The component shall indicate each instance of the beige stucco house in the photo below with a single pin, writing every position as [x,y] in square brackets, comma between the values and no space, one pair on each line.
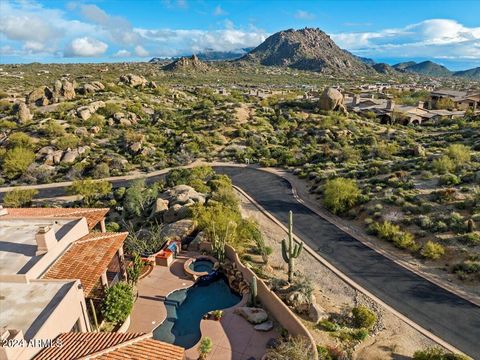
[51,261]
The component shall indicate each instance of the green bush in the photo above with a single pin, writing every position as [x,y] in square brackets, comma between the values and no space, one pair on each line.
[363,317]
[16,161]
[437,354]
[19,198]
[443,165]
[328,325]
[118,303]
[393,233]
[340,195]
[459,153]
[432,250]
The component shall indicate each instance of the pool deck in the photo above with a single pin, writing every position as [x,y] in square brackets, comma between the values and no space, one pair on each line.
[233,337]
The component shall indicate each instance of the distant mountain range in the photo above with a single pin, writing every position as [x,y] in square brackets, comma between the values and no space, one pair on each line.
[313,50]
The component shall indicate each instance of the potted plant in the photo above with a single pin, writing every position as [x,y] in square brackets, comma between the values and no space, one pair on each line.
[204,348]
[217,314]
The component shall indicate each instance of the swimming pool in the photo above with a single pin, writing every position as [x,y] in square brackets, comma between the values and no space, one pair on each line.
[186,307]
[201,266]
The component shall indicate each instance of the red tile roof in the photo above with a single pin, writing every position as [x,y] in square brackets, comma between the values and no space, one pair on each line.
[86,259]
[111,346]
[93,215]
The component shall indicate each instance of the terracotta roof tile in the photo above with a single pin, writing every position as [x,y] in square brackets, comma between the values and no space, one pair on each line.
[76,345]
[111,346]
[93,215]
[86,259]
[146,349]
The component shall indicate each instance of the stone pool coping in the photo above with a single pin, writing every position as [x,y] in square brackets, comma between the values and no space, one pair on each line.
[196,274]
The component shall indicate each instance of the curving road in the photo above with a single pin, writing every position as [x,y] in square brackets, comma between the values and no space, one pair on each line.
[446,315]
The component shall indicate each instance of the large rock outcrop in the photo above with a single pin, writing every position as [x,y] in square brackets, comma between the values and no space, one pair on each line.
[133,80]
[41,96]
[22,113]
[332,100]
[63,90]
[85,112]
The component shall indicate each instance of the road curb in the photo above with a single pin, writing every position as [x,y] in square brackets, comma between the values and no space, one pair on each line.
[350,282]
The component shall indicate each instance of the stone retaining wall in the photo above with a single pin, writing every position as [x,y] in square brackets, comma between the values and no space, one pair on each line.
[272,303]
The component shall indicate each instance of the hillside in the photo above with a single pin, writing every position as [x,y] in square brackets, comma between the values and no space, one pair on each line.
[473,74]
[305,49]
[212,55]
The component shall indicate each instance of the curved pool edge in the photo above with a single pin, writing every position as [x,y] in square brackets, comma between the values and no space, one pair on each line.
[243,302]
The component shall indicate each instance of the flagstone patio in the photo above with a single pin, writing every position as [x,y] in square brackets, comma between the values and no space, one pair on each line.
[233,337]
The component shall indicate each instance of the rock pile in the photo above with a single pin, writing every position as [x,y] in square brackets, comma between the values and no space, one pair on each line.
[174,204]
[86,111]
[133,80]
[235,278]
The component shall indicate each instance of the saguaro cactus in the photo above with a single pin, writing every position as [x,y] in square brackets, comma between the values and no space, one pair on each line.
[293,250]
[470,226]
[253,292]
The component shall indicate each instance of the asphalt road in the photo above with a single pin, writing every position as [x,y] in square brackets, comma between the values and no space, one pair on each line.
[446,315]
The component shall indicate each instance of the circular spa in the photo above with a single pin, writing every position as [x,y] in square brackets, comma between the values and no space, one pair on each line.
[199,266]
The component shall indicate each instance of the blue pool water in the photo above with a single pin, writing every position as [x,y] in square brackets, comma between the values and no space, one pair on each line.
[186,307]
[201,265]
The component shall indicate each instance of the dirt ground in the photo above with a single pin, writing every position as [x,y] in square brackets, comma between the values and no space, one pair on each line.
[392,338]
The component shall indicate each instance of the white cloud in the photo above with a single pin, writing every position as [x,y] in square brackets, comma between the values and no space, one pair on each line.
[140,51]
[176,42]
[85,47]
[122,53]
[219,11]
[303,15]
[434,38]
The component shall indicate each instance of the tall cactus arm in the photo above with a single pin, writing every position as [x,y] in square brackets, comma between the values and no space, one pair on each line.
[285,251]
[297,250]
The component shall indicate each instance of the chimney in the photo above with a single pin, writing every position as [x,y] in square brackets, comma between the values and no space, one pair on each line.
[421,104]
[390,105]
[46,239]
[3,211]
[356,100]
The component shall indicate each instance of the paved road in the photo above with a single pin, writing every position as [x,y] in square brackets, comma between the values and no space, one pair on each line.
[446,315]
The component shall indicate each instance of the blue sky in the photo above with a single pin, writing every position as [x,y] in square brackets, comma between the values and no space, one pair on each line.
[447,32]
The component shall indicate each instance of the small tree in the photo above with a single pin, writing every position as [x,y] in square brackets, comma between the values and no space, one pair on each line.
[432,250]
[19,197]
[16,161]
[118,303]
[90,190]
[204,348]
[340,195]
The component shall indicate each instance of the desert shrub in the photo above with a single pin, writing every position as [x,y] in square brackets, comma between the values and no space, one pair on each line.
[432,250]
[459,153]
[443,165]
[102,170]
[118,302]
[139,197]
[393,233]
[449,179]
[328,325]
[53,128]
[437,354]
[205,347]
[67,141]
[362,317]
[291,348]
[19,197]
[20,139]
[471,239]
[16,161]
[90,190]
[195,177]
[467,267]
[340,195]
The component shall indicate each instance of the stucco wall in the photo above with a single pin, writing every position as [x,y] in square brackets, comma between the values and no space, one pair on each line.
[272,303]
[61,319]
